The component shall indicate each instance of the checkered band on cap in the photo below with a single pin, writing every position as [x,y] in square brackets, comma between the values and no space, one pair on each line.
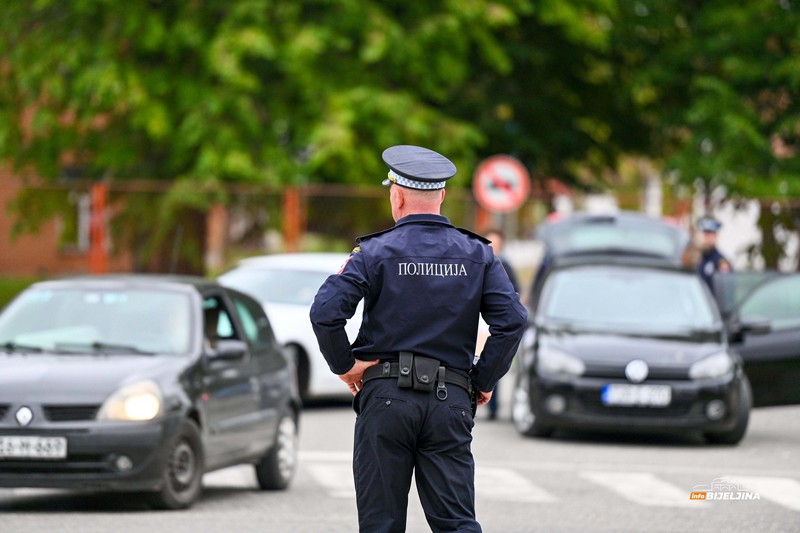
[414,184]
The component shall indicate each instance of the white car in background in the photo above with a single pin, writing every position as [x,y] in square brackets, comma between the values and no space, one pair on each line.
[285,285]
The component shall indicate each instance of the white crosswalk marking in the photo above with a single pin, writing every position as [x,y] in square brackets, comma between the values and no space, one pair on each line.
[642,487]
[784,491]
[333,472]
[235,476]
[508,486]
[490,483]
[337,479]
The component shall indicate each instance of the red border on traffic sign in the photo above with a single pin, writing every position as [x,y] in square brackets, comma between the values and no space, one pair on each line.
[501,184]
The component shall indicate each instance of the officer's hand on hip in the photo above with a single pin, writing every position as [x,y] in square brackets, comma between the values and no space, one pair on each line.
[355,374]
[484,397]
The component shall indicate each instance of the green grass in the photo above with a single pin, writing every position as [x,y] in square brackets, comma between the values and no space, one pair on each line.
[10,287]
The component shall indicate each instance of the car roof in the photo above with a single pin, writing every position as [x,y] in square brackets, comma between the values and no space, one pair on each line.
[622,233]
[310,261]
[111,281]
[619,260]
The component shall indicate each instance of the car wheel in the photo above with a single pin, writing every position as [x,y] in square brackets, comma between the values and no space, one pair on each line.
[277,468]
[301,366]
[522,415]
[735,435]
[183,473]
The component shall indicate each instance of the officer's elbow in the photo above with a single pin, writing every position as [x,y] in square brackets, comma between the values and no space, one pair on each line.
[521,318]
[315,315]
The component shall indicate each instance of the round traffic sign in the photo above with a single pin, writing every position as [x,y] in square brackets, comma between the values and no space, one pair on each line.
[501,184]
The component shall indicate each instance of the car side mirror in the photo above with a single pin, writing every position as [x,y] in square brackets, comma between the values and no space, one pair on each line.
[752,326]
[229,350]
[757,326]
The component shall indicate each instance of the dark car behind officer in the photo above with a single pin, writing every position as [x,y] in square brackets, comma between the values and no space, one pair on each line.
[424,283]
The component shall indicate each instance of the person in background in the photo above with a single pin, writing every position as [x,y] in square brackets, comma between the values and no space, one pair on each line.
[498,239]
[711,260]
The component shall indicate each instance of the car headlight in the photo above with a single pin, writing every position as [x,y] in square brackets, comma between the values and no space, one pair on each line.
[137,401]
[551,361]
[713,366]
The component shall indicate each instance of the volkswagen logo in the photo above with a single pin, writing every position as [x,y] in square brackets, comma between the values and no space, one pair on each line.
[636,371]
[24,416]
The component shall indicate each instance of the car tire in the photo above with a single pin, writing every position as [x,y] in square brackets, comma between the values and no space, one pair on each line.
[183,472]
[302,368]
[735,435]
[277,468]
[523,416]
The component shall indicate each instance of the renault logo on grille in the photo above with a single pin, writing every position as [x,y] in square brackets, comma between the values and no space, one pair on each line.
[637,371]
[24,416]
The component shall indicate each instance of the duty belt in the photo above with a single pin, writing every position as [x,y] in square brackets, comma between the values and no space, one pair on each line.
[391,369]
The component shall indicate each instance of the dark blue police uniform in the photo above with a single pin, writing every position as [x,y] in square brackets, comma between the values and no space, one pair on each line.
[424,284]
[711,261]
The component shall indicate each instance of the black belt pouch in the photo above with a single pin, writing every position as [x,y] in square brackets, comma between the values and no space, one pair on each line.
[417,372]
[425,372]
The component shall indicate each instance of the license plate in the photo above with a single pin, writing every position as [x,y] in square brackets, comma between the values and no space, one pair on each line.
[637,395]
[33,447]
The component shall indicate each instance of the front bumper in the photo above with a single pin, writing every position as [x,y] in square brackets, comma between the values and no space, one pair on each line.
[687,409]
[92,452]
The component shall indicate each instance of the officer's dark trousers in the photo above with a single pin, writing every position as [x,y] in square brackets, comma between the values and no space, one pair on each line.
[402,431]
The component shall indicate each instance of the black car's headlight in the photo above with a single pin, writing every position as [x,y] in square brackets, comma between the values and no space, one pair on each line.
[714,366]
[555,362]
[135,402]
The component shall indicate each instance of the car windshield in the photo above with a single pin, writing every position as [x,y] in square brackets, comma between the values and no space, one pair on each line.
[83,320]
[276,285]
[627,300]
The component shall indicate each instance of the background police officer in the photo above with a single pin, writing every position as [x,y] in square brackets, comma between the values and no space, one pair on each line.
[711,260]
[498,239]
[424,284]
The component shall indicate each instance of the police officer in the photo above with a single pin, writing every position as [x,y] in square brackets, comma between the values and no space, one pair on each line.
[424,284]
[498,239]
[711,260]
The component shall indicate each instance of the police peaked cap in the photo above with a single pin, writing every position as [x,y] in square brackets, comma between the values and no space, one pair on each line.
[415,167]
[709,224]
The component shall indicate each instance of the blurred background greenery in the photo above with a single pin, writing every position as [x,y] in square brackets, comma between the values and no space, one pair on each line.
[200,95]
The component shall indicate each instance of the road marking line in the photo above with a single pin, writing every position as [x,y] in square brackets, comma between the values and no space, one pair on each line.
[32,491]
[337,479]
[234,476]
[643,488]
[508,486]
[783,491]
[325,456]
[490,483]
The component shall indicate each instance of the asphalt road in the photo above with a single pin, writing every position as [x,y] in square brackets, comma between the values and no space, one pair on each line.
[571,483]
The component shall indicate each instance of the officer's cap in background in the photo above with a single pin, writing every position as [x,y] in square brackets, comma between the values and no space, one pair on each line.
[708,224]
[415,167]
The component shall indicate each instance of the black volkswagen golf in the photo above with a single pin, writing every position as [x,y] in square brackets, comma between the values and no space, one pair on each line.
[623,337]
[141,383]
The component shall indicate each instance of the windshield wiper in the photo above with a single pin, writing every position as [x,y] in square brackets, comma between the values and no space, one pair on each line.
[11,347]
[102,347]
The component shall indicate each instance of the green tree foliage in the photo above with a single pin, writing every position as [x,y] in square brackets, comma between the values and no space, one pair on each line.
[718,84]
[267,92]
[205,93]
[560,106]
